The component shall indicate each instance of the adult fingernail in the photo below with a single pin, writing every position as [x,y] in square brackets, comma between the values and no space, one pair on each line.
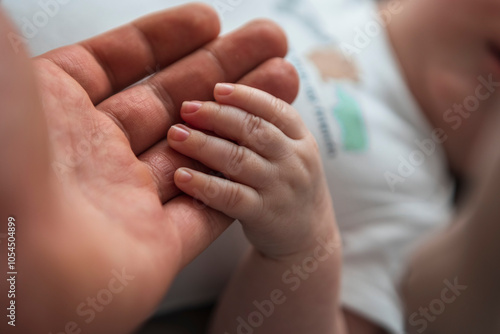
[179,133]
[183,176]
[224,89]
[190,107]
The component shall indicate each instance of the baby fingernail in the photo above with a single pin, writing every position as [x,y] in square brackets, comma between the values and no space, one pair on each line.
[183,176]
[190,107]
[224,89]
[179,133]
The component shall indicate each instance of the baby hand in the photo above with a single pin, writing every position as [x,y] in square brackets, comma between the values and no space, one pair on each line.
[275,184]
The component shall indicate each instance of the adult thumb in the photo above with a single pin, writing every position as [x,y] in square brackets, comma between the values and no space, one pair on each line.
[23,133]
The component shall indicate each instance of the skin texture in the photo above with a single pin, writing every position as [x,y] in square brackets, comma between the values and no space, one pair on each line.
[271,163]
[268,154]
[89,172]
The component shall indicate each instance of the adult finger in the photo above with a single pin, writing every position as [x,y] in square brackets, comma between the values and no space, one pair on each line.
[114,60]
[197,225]
[277,76]
[145,112]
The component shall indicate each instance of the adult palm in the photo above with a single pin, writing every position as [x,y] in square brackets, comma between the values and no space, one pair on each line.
[89,172]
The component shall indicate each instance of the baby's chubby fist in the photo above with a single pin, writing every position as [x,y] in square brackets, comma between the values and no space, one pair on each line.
[274,181]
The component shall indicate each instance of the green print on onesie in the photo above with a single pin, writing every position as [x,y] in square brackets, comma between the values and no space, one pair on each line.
[348,114]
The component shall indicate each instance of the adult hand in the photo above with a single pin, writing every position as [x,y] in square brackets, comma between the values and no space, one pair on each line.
[87,172]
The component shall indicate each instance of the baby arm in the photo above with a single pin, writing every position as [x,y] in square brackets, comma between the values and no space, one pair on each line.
[275,185]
